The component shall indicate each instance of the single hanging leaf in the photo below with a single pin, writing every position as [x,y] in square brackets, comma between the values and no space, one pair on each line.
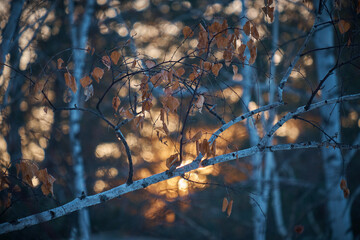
[344,26]
[252,55]
[88,92]
[106,61]
[346,193]
[187,32]
[215,27]
[28,171]
[47,181]
[225,204]
[229,208]
[150,63]
[115,56]
[246,28]
[216,68]
[207,66]
[255,33]
[116,103]
[200,103]
[133,64]
[70,82]
[172,160]
[180,72]
[59,63]
[85,81]
[170,103]
[343,184]
[97,74]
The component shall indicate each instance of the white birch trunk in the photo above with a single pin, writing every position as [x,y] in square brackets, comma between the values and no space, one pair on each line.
[259,204]
[339,216]
[79,37]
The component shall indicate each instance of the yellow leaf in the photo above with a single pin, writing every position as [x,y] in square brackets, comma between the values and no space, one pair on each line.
[97,74]
[187,32]
[85,81]
[225,204]
[115,56]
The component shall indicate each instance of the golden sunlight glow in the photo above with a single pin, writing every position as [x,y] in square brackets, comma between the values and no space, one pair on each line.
[289,130]
[155,207]
[140,5]
[308,60]
[252,106]
[277,57]
[183,184]
[35,181]
[235,7]
[113,172]
[99,186]
[170,217]
[107,150]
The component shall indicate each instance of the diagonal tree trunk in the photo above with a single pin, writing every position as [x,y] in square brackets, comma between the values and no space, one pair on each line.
[339,216]
[79,38]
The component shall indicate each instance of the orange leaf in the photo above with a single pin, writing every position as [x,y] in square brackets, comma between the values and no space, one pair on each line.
[28,171]
[224,204]
[255,33]
[215,27]
[97,73]
[116,103]
[170,103]
[106,61]
[70,82]
[216,68]
[133,64]
[85,81]
[229,208]
[246,28]
[207,66]
[150,63]
[47,182]
[344,26]
[172,160]
[187,32]
[115,56]
[241,49]
[128,114]
[343,184]
[227,55]
[180,72]
[252,55]
[156,79]
[59,63]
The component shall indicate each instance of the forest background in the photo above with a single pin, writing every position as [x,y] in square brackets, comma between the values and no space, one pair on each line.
[174,119]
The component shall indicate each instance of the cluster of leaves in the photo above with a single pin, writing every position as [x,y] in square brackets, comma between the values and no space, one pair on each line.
[28,171]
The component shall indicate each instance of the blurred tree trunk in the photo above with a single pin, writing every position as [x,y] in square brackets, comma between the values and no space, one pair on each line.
[259,204]
[338,214]
[9,30]
[79,38]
